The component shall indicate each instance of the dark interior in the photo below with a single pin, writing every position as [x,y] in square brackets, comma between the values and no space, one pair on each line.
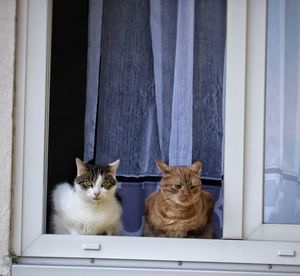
[67,90]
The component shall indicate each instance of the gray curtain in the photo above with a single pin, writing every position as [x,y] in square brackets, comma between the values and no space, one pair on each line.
[155,84]
[154,91]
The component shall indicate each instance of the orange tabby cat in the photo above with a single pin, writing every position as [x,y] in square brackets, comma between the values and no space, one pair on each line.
[181,208]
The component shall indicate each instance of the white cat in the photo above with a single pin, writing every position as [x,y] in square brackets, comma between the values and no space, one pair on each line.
[90,206]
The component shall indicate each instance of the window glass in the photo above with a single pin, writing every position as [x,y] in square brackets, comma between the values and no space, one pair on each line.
[282,131]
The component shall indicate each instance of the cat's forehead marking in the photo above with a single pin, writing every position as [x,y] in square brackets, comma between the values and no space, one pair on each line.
[94,170]
[99,180]
[180,176]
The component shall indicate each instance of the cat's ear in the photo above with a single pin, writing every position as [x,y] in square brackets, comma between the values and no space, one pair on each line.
[81,167]
[163,168]
[114,166]
[197,166]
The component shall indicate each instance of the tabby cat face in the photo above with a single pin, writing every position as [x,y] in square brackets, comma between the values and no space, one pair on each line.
[96,183]
[180,184]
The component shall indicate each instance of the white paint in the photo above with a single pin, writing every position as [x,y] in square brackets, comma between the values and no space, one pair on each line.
[7,50]
[29,270]
[234,118]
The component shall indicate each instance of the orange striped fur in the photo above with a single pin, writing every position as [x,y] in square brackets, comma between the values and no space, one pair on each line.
[181,208]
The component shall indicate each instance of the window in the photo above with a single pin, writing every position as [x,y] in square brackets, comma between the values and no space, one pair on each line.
[259,65]
[130,78]
[243,225]
[282,173]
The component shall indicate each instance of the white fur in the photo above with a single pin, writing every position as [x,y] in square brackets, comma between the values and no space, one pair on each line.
[78,211]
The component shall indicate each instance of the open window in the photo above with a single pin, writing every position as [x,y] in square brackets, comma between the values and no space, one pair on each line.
[139,105]
[244,226]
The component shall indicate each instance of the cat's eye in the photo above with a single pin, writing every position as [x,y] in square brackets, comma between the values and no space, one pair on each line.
[177,186]
[106,184]
[193,187]
[88,183]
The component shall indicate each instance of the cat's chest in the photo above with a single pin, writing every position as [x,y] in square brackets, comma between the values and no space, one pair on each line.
[101,211]
[191,217]
[96,214]
[87,212]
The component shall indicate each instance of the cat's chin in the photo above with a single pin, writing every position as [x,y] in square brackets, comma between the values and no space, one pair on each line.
[95,200]
[184,203]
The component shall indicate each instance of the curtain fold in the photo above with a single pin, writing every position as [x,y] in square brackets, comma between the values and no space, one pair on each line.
[170,21]
[181,137]
[159,89]
[93,68]
[163,16]
[208,95]
[126,126]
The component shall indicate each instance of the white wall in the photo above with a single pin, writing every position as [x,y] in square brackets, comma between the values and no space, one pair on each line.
[7,73]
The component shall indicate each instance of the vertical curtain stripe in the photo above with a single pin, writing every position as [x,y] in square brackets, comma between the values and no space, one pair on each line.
[93,69]
[156,37]
[180,150]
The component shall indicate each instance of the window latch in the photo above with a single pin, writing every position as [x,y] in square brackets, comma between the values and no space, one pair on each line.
[91,246]
[287,253]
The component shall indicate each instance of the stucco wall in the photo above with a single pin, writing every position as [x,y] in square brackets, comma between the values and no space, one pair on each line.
[7,53]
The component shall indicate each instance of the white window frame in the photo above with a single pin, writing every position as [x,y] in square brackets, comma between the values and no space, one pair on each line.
[253,226]
[245,52]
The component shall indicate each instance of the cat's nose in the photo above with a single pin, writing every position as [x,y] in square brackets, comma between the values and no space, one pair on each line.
[186,194]
[96,193]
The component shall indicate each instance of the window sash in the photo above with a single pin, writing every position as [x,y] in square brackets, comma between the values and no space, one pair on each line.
[253,226]
[234,125]
[30,162]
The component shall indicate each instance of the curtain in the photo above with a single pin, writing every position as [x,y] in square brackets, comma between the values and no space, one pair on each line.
[155,84]
[282,154]
[155,91]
